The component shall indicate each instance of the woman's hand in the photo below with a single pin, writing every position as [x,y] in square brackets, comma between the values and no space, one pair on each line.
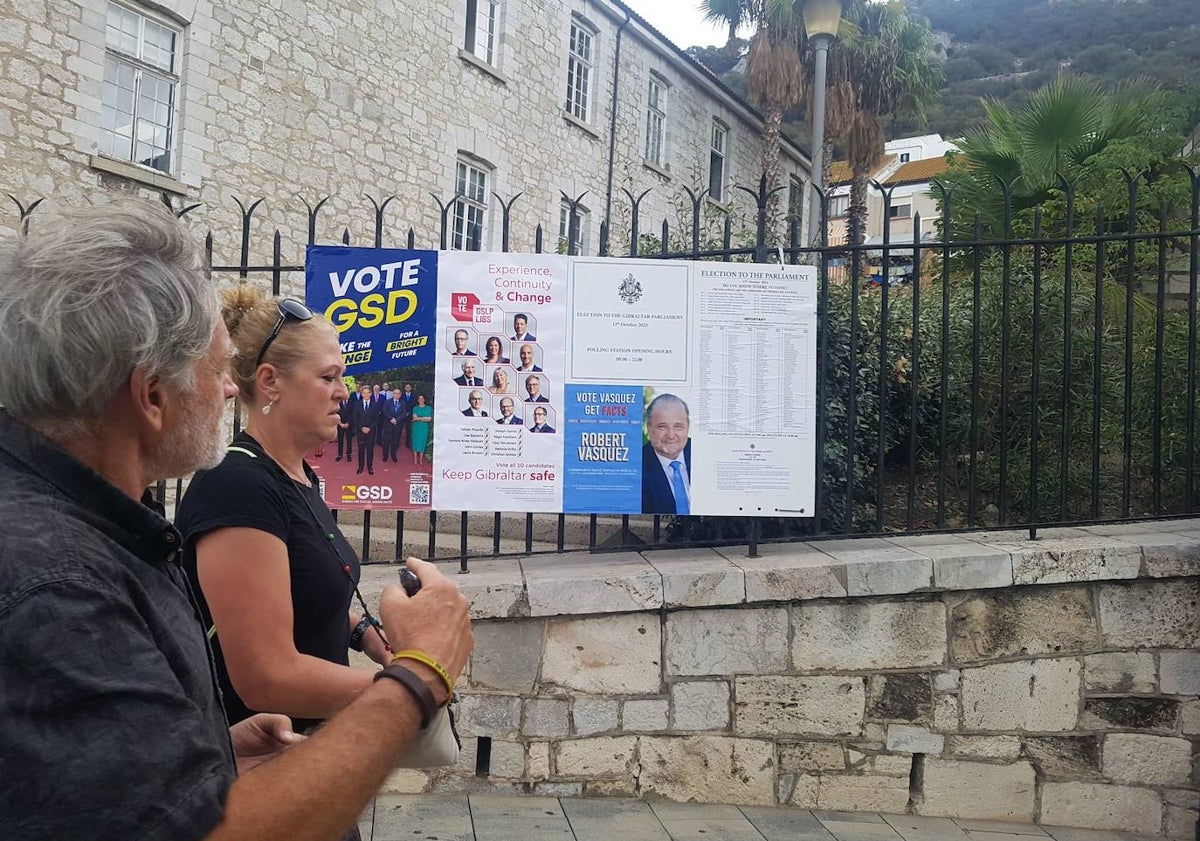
[375,646]
[260,738]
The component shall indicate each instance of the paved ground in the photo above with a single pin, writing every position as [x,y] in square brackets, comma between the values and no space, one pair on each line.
[512,818]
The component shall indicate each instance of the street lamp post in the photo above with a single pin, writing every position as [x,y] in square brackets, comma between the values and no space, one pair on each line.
[821,21]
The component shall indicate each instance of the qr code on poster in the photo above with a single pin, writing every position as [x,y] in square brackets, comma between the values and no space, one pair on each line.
[418,494]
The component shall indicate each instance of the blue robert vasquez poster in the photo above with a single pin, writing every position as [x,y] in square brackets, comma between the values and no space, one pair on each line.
[383,302]
[602,463]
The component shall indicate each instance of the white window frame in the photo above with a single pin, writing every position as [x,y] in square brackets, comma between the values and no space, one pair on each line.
[469,216]
[581,60]
[656,121]
[839,206]
[135,63]
[905,157]
[582,217]
[483,25]
[718,154]
[900,211]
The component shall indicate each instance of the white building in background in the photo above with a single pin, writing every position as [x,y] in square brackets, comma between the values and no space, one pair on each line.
[908,149]
[909,166]
[297,100]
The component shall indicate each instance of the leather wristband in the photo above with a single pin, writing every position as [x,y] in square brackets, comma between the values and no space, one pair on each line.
[416,688]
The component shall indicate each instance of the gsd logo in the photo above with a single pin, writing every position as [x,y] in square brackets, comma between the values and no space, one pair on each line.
[366,493]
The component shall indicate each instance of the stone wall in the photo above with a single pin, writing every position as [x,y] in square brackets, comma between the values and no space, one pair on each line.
[984,676]
[296,100]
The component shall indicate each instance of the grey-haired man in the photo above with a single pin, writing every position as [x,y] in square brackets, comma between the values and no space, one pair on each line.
[109,706]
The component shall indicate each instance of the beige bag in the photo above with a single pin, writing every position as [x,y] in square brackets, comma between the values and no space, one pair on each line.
[438,744]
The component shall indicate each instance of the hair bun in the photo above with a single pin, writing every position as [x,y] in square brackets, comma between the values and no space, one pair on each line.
[237,302]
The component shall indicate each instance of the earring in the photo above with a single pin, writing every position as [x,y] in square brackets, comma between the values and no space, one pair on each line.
[266,410]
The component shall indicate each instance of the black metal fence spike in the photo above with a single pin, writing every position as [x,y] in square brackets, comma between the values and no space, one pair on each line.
[380,207]
[312,211]
[24,212]
[506,224]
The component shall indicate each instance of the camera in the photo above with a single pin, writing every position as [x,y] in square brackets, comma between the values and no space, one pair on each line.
[410,582]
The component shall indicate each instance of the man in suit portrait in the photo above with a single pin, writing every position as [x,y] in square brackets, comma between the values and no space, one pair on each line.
[520,323]
[395,412]
[461,338]
[365,424]
[475,405]
[378,397]
[410,402]
[345,433]
[667,458]
[507,416]
[526,354]
[533,386]
[468,374]
[539,421]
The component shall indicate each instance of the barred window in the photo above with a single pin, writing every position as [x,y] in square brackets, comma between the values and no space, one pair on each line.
[716,161]
[482,16]
[141,88]
[656,121]
[579,70]
[470,208]
[795,199]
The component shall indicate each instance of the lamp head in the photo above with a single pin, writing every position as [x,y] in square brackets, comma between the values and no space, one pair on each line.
[822,17]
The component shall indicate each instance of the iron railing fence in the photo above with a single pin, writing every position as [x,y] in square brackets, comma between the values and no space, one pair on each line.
[1044,376]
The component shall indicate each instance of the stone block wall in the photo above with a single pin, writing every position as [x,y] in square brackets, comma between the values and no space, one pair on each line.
[1054,681]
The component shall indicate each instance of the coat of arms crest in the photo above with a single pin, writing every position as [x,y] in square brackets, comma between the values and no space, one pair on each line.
[630,289]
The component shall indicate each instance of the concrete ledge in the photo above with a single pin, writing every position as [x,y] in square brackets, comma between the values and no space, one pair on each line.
[561,584]
[577,584]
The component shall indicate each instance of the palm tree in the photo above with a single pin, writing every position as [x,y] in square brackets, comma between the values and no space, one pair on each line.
[882,63]
[1062,126]
[774,72]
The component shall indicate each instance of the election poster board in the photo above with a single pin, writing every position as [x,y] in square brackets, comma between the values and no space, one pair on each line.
[599,385]
[500,382]
[383,302]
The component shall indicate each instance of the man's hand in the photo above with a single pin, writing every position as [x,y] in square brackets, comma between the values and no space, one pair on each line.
[261,737]
[435,621]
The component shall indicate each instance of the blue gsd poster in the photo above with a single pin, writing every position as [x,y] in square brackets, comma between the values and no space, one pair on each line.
[383,302]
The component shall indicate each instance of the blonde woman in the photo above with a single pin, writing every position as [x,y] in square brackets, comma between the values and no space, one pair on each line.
[500,384]
[276,577]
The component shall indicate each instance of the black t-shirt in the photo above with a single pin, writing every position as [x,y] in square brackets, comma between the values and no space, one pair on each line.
[249,490]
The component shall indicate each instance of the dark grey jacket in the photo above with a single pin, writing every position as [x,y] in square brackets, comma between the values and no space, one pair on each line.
[109,717]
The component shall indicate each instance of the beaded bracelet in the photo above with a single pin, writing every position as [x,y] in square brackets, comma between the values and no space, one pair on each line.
[360,631]
[422,657]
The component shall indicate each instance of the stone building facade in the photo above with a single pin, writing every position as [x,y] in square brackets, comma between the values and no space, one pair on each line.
[293,101]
